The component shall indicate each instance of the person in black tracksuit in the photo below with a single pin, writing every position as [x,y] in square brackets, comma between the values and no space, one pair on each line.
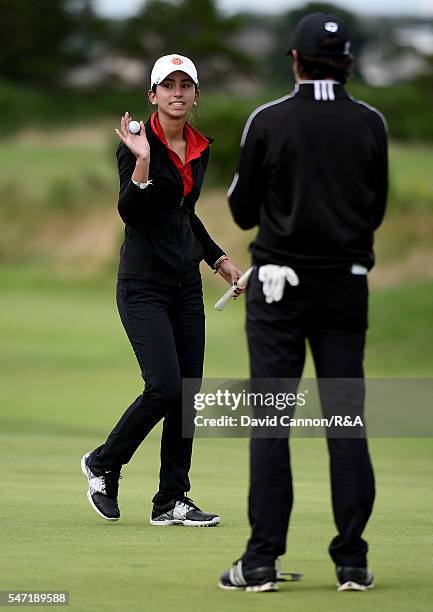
[313,177]
[159,291]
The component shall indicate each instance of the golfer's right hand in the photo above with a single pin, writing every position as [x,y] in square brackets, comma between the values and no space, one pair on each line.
[136,143]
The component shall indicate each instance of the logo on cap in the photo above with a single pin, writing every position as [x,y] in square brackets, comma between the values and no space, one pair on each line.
[331,26]
[177,60]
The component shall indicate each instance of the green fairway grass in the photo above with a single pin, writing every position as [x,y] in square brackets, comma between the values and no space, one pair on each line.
[66,374]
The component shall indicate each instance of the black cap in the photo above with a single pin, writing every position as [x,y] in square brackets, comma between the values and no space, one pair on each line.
[320,34]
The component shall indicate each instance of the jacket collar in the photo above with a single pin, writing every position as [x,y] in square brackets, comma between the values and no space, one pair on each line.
[196,143]
[157,145]
[326,90]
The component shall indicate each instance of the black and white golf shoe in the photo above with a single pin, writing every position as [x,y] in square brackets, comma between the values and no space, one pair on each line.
[182,512]
[354,578]
[103,491]
[255,580]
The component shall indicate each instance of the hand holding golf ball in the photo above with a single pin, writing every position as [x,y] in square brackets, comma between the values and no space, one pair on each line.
[134,127]
[133,134]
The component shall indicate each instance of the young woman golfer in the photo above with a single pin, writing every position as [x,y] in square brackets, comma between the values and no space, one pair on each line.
[159,291]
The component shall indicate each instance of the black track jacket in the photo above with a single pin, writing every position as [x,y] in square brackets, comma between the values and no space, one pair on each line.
[313,175]
[164,238]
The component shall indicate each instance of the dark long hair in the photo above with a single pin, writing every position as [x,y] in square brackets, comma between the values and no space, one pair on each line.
[321,67]
[316,67]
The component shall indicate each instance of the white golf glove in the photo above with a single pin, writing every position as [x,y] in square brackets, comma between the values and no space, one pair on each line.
[274,279]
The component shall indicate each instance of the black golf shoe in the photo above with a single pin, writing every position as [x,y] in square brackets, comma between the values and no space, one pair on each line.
[182,512]
[103,490]
[354,578]
[256,580]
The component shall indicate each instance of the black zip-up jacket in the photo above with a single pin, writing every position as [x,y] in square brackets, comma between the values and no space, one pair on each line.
[313,175]
[164,238]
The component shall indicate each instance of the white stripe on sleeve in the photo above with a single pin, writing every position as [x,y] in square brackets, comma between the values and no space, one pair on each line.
[260,108]
[233,185]
[362,103]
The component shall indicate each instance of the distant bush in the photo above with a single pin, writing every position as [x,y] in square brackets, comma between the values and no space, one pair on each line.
[407,108]
[22,107]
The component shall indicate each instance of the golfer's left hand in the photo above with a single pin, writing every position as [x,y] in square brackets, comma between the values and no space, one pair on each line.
[231,274]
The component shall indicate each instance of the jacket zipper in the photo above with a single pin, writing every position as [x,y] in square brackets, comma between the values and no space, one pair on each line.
[180,206]
[180,249]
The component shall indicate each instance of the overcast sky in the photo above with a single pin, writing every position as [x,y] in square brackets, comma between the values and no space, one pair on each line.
[114,8]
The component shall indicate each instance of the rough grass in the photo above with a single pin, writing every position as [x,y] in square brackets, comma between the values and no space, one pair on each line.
[64,207]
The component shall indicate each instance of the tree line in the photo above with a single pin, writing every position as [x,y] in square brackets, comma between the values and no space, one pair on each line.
[43,39]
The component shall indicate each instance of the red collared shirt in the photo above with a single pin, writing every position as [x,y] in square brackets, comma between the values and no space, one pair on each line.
[196,143]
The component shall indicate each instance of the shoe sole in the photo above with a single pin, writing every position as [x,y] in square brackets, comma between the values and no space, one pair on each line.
[267,587]
[89,496]
[166,523]
[353,586]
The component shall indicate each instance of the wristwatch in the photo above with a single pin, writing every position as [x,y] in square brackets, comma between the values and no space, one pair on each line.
[142,185]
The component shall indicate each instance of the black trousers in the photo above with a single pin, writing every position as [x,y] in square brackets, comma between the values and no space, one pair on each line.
[166,327]
[330,310]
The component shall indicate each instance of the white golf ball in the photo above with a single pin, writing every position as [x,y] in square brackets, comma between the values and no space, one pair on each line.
[134,127]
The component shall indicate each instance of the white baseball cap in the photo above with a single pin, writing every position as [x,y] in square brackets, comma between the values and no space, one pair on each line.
[167,64]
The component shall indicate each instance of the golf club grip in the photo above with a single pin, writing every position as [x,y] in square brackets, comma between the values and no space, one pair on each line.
[222,302]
